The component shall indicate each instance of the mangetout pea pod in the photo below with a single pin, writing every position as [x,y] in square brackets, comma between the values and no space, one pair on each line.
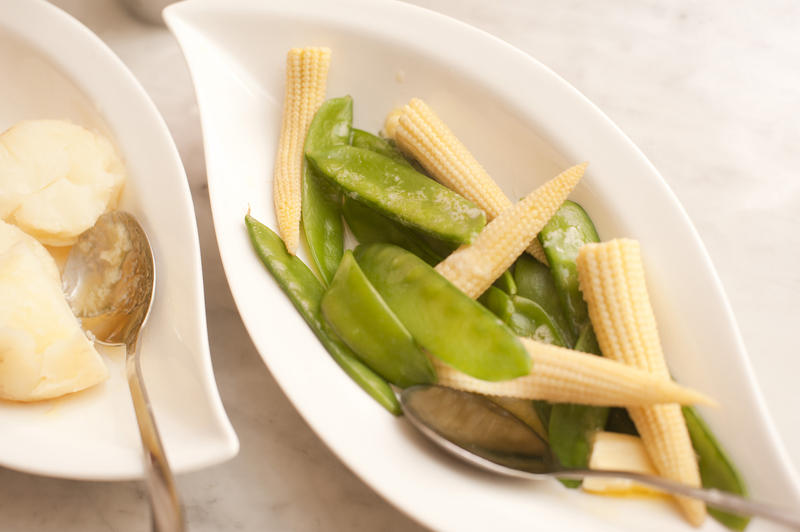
[305,292]
[444,320]
[506,283]
[562,237]
[371,227]
[362,319]
[401,193]
[542,326]
[362,139]
[571,426]
[716,469]
[535,282]
[499,302]
[321,200]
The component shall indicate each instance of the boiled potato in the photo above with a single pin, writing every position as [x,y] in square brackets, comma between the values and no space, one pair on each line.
[56,179]
[43,351]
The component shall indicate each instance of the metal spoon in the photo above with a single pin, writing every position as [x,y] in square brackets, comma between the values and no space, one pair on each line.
[108,281]
[482,433]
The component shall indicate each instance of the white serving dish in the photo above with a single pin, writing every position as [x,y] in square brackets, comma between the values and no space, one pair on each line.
[54,67]
[524,124]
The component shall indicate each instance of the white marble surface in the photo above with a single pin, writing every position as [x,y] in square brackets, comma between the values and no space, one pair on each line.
[711,93]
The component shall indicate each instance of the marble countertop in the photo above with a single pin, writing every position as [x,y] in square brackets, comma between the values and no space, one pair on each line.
[708,90]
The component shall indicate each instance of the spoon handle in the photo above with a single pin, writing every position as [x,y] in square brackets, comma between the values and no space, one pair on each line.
[718,499]
[164,500]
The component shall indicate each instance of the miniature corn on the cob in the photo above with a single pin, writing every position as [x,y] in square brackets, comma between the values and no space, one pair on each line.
[474,267]
[566,376]
[420,133]
[618,452]
[306,75]
[612,280]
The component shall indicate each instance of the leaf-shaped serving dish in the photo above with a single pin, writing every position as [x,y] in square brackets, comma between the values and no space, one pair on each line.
[524,124]
[54,67]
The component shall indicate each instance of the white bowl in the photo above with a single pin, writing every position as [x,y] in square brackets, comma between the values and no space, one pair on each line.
[54,67]
[524,124]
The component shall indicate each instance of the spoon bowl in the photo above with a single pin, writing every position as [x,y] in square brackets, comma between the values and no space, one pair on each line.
[109,278]
[481,432]
[108,281]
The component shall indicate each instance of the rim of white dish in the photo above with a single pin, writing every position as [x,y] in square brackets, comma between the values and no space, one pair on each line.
[399,17]
[85,56]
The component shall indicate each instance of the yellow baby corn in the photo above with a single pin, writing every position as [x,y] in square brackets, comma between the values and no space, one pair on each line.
[474,267]
[420,133]
[612,280]
[306,75]
[566,376]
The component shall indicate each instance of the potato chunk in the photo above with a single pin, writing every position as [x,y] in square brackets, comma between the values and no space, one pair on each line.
[43,351]
[56,178]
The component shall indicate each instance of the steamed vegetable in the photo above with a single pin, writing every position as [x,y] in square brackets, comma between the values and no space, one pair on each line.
[435,312]
[321,200]
[573,426]
[371,227]
[475,267]
[612,281]
[305,292]
[400,192]
[306,76]
[360,317]
[420,133]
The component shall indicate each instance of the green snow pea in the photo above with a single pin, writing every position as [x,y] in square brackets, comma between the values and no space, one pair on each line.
[305,292]
[562,237]
[535,282]
[369,227]
[362,139]
[361,318]
[499,303]
[506,283]
[444,321]
[321,200]
[531,320]
[400,192]
[571,427]
[716,469]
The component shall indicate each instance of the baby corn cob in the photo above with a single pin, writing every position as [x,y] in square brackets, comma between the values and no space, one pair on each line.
[566,376]
[420,133]
[474,267]
[306,74]
[612,280]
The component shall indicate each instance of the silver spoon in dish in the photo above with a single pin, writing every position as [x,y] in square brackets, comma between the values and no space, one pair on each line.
[108,281]
[477,430]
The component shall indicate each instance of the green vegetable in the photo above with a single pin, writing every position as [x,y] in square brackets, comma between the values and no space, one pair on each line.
[444,321]
[562,237]
[360,317]
[716,469]
[499,303]
[531,320]
[321,200]
[368,141]
[570,430]
[371,227]
[400,192]
[506,283]
[572,426]
[535,282]
[305,292]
